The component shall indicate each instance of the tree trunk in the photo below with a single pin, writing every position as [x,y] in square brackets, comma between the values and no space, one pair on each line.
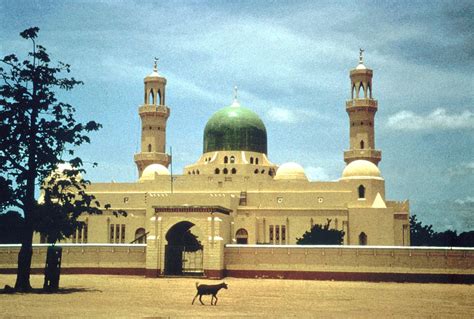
[24,263]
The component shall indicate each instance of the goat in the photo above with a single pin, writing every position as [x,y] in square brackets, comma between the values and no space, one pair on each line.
[208,290]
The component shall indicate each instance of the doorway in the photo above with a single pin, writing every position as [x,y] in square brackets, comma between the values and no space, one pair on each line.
[183,252]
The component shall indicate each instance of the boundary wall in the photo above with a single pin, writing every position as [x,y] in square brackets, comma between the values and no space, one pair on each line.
[359,263]
[353,263]
[110,259]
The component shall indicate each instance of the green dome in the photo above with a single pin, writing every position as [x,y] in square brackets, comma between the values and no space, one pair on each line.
[235,128]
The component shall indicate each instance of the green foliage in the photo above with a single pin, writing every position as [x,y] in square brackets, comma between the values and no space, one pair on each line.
[424,235]
[11,227]
[420,235]
[321,235]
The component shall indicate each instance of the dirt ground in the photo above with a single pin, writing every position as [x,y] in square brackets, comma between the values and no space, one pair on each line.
[127,296]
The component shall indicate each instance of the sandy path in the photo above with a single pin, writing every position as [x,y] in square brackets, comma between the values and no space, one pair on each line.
[118,296]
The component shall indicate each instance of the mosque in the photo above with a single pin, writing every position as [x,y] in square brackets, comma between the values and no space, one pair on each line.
[234,194]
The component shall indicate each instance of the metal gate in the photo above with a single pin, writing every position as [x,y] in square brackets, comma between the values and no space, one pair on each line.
[183,260]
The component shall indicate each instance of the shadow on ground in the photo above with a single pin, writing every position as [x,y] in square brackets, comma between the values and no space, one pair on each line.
[41,291]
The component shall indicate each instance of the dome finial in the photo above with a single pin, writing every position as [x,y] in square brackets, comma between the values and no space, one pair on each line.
[155,65]
[236,101]
[361,58]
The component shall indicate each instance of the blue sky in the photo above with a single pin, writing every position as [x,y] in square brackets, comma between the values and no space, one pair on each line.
[291,61]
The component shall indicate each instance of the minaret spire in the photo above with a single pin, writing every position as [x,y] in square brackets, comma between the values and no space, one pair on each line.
[361,58]
[235,103]
[155,64]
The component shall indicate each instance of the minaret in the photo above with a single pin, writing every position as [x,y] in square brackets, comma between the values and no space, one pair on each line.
[361,109]
[153,114]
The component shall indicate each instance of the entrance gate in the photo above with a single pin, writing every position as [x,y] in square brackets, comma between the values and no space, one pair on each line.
[184,260]
[184,252]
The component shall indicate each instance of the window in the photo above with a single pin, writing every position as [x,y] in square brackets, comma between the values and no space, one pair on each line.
[151,98]
[217,171]
[149,147]
[117,233]
[361,190]
[251,160]
[270,233]
[256,171]
[362,239]
[263,171]
[111,233]
[122,233]
[361,145]
[242,236]
[277,234]
[197,171]
[234,171]
[226,159]
[140,236]
[225,171]
[125,200]
[283,233]
[256,161]
[232,159]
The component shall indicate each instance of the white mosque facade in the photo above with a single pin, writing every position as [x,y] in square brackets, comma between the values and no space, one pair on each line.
[234,194]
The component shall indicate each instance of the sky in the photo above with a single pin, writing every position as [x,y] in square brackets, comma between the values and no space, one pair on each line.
[290,61]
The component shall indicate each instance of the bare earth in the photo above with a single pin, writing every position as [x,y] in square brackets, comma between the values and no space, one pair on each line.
[125,297]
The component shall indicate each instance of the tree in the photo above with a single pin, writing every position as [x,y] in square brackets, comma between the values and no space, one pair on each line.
[36,132]
[321,235]
[420,235]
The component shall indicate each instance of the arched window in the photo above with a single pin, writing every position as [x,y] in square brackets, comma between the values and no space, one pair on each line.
[369,88]
[232,159]
[256,161]
[362,239]
[362,145]
[197,171]
[361,87]
[234,171]
[194,173]
[149,147]
[225,171]
[251,160]
[226,159]
[361,190]
[256,171]
[242,236]
[270,172]
[217,171]
[263,171]
[352,91]
[151,98]
[158,98]
[140,236]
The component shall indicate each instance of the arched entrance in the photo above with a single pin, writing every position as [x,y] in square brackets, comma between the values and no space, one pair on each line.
[362,239]
[242,236]
[183,252]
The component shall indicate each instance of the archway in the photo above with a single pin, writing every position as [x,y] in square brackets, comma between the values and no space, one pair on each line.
[242,236]
[183,252]
[362,239]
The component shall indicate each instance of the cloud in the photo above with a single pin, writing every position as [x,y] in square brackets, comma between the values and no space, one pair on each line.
[439,119]
[316,173]
[467,200]
[290,116]
[462,169]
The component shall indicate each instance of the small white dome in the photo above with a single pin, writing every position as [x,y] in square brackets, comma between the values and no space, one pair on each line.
[150,172]
[290,170]
[361,169]
[361,66]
